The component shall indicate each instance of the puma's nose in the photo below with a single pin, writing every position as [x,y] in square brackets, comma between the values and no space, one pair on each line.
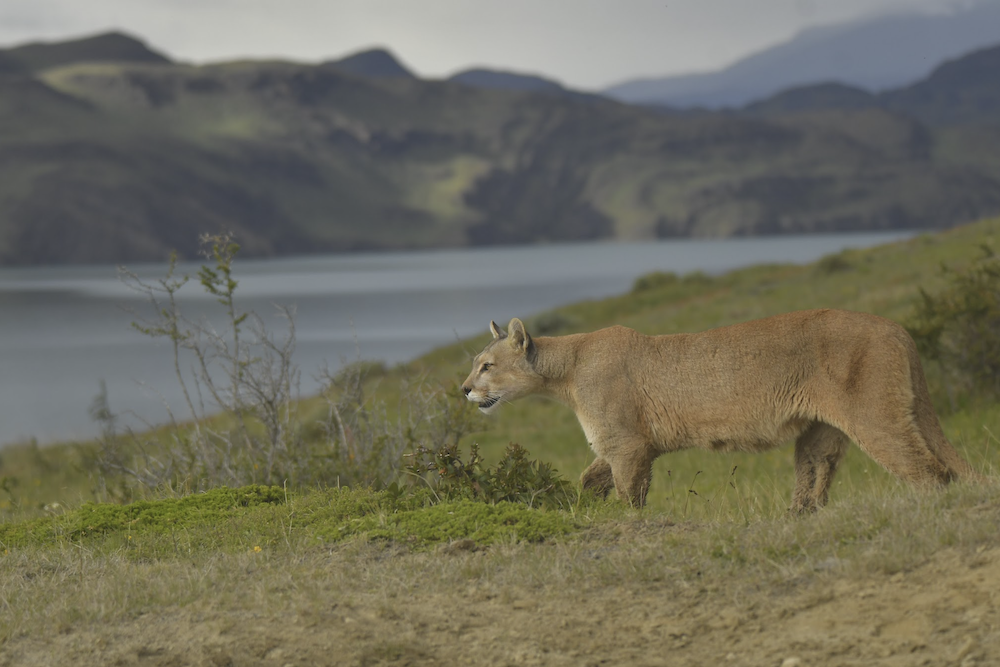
[467,390]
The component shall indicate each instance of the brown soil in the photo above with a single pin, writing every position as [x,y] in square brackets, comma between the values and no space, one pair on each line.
[946,612]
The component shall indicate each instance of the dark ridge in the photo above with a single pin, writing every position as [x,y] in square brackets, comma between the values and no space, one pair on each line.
[11,65]
[499,80]
[106,47]
[821,96]
[963,90]
[528,83]
[375,63]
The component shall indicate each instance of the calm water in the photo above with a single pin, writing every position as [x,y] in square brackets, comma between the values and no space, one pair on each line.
[64,329]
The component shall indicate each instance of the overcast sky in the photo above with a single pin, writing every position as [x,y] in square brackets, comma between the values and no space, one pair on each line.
[583,43]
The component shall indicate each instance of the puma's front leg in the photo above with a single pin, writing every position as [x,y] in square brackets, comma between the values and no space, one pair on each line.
[598,478]
[632,470]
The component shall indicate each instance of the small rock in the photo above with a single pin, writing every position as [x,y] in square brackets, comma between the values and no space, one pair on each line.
[791,662]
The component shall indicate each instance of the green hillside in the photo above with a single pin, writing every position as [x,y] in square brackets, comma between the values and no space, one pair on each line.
[108,153]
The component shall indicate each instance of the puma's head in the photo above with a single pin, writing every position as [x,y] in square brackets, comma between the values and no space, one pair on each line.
[504,370]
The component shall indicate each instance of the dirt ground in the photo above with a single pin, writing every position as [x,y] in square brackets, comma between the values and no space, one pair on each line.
[946,612]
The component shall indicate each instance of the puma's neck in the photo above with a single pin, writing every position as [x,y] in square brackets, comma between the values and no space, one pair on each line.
[555,361]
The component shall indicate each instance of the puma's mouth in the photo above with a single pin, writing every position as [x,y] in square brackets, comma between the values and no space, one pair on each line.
[488,403]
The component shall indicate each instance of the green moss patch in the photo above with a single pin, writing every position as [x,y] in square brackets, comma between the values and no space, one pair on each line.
[236,519]
[144,516]
[467,519]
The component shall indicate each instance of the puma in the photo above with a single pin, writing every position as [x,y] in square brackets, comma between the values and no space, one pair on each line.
[819,377]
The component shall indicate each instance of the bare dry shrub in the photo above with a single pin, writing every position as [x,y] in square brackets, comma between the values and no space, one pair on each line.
[241,422]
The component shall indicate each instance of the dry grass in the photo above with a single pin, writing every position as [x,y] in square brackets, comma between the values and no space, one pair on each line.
[46,589]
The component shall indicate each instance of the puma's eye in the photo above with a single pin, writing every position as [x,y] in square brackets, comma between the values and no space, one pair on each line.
[485,367]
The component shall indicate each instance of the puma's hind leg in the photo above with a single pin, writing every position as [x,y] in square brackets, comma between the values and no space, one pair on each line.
[930,427]
[898,446]
[883,407]
[818,452]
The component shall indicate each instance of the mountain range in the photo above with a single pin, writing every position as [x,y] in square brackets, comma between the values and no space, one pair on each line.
[874,54]
[110,152]
[382,63]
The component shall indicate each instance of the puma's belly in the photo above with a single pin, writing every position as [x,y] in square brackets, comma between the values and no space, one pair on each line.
[728,434]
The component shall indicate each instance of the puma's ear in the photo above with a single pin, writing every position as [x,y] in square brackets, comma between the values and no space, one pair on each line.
[519,337]
[495,330]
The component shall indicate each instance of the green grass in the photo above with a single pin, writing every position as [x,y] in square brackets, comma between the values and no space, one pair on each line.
[254,517]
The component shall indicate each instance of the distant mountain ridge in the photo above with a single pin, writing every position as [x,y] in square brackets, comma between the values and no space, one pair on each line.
[813,98]
[372,63]
[490,79]
[963,90]
[122,160]
[853,54]
[503,80]
[106,47]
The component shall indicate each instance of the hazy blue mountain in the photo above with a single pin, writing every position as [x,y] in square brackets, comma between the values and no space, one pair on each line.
[106,47]
[377,63]
[965,90]
[873,54]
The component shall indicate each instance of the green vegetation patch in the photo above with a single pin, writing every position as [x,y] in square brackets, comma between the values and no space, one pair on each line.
[467,519]
[417,517]
[251,516]
[144,516]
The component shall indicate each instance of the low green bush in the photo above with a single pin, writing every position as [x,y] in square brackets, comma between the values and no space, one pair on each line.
[959,326]
[515,478]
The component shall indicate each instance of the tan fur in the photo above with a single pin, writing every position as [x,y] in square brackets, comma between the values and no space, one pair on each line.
[819,377]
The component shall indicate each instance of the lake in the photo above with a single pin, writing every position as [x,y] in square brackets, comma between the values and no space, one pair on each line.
[65,329]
